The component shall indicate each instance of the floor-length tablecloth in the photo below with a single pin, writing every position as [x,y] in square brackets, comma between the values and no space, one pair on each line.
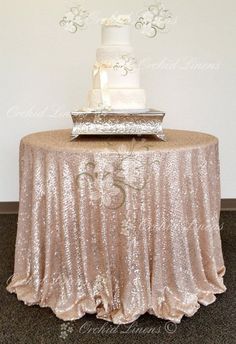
[119,226]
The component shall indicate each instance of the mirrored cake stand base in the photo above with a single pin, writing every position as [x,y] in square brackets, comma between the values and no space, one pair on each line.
[126,122]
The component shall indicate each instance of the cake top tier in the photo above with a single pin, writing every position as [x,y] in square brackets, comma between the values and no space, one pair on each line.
[116,30]
[119,20]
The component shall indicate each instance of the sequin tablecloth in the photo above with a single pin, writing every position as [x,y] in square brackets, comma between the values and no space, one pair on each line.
[119,226]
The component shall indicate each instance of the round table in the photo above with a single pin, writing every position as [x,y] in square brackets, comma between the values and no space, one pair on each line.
[119,226]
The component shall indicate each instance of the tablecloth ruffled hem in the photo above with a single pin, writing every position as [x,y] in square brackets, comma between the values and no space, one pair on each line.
[172,310]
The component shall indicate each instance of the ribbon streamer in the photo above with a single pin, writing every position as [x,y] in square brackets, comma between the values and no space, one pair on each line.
[100,69]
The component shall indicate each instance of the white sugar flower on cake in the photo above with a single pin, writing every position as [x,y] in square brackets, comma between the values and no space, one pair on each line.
[119,20]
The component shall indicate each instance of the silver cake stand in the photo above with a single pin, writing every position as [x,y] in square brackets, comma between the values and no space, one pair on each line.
[126,122]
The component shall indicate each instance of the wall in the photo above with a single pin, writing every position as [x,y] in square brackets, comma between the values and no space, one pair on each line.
[45,73]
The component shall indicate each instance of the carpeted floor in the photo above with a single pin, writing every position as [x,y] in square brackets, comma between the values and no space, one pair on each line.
[214,324]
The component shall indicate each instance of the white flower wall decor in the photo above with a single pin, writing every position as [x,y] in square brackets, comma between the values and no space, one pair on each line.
[153,19]
[74,20]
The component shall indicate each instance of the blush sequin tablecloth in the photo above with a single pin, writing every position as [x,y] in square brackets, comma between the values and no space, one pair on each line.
[119,226]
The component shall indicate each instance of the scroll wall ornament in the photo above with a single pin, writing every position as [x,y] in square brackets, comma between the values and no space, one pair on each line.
[74,20]
[155,18]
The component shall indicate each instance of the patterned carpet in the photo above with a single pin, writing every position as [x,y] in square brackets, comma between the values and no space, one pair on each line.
[214,324]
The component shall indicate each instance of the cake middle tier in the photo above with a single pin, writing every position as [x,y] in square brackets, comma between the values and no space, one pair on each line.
[120,99]
[112,78]
[111,54]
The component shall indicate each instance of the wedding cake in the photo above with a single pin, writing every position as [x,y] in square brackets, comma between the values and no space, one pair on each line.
[116,74]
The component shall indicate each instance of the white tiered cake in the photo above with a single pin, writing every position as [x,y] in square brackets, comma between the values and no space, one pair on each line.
[116,74]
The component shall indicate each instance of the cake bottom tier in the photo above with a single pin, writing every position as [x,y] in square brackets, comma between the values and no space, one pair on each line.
[119,99]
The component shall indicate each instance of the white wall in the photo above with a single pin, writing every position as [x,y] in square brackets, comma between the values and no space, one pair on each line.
[45,73]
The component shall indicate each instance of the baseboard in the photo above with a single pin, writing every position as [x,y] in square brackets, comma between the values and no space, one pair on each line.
[227,204]
[9,207]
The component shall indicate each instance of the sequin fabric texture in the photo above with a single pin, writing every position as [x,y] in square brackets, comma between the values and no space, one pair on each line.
[119,226]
